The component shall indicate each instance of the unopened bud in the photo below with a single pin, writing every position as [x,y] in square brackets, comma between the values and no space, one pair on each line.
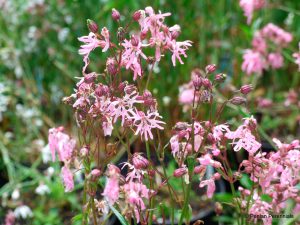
[246,89]
[180,172]
[210,68]
[137,15]
[134,40]
[115,14]
[139,161]
[206,83]
[111,66]
[199,169]
[95,174]
[101,90]
[93,27]
[84,151]
[197,81]
[238,100]
[219,78]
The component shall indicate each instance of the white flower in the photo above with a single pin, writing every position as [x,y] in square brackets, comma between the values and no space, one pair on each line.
[42,189]
[23,212]
[46,154]
[16,194]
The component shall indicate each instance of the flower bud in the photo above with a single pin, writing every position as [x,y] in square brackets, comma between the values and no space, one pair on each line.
[137,15]
[89,78]
[111,66]
[219,78]
[84,151]
[115,14]
[210,68]
[122,86]
[113,170]
[199,169]
[101,90]
[139,161]
[134,40]
[197,81]
[246,89]
[217,176]
[238,100]
[206,83]
[180,172]
[93,27]
[95,174]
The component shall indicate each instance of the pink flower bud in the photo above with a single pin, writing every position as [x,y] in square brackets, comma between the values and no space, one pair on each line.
[197,81]
[210,68]
[113,170]
[89,78]
[137,15]
[199,169]
[95,174]
[180,172]
[139,161]
[206,83]
[217,176]
[101,90]
[115,14]
[238,100]
[246,89]
[93,27]
[84,151]
[134,40]
[219,78]
[111,66]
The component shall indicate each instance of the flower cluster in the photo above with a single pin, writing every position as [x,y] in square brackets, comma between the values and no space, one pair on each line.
[249,6]
[61,143]
[266,50]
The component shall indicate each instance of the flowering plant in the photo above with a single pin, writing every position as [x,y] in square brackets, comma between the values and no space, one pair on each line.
[113,112]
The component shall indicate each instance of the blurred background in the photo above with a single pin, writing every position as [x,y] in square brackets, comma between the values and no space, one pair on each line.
[39,63]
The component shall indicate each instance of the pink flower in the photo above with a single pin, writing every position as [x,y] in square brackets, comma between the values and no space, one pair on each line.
[10,218]
[146,122]
[211,187]
[123,106]
[275,60]
[134,172]
[90,43]
[107,127]
[243,138]
[67,177]
[111,190]
[276,34]
[135,192]
[260,207]
[62,143]
[106,43]
[178,49]
[254,62]
[133,51]
[249,6]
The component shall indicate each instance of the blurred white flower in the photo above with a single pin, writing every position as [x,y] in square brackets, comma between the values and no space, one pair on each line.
[166,100]
[15,194]
[23,212]
[63,34]
[42,189]
[46,154]
[50,171]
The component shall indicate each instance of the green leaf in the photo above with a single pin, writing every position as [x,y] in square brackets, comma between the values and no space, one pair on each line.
[77,218]
[119,216]
[246,182]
